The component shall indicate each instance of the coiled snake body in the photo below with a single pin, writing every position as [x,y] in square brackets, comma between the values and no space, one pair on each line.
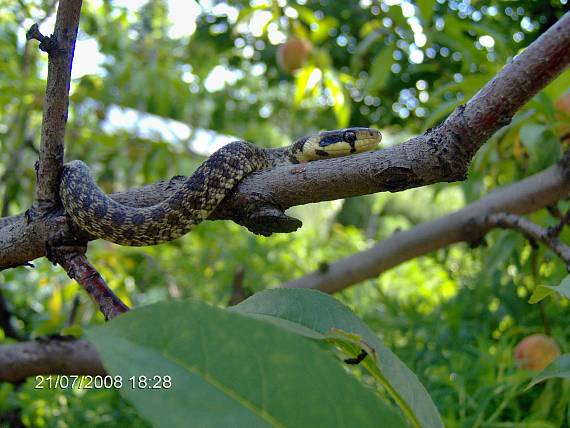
[95,212]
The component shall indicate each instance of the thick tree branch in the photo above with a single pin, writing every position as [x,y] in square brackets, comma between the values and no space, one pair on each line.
[523,197]
[441,154]
[79,357]
[60,47]
[48,356]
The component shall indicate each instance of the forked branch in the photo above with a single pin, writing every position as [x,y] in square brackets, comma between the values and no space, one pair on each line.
[442,154]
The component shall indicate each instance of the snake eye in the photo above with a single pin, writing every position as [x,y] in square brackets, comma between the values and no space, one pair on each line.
[349,137]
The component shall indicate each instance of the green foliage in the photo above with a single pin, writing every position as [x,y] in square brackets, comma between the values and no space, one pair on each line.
[542,291]
[453,316]
[222,368]
[558,368]
[311,314]
[56,407]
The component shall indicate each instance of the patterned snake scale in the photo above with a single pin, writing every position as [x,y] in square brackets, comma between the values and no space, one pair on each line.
[95,212]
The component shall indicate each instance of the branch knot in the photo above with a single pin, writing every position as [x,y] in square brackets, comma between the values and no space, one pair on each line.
[47,43]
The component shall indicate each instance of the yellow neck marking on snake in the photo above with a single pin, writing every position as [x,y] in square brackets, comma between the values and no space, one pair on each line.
[342,142]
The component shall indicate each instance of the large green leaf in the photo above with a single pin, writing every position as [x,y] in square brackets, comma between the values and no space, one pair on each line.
[560,367]
[228,369]
[324,317]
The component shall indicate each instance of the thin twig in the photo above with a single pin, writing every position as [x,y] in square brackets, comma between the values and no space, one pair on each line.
[79,268]
[528,229]
[74,310]
[239,292]
[554,231]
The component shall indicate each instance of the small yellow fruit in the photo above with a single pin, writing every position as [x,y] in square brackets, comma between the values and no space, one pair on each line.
[535,352]
[292,54]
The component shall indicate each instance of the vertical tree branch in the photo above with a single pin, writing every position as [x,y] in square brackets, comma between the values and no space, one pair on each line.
[60,48]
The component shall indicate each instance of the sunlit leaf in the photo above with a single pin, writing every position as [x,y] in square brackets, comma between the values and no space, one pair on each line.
[305,14]
[73,330]
[341,102]
[541,292]
[369,27]
[563,289]
[301,83]
[321,29]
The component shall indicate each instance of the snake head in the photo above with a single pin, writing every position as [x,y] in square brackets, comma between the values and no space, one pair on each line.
[332,144]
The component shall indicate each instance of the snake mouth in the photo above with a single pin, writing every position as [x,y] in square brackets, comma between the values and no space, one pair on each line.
[360,145]
[366,144]
[333,144]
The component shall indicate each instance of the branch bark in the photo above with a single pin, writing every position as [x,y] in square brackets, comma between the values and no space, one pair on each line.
[60,50]
[78,268]
[17,362]
[441,154]
[529,229]
[526,196]
[48,356]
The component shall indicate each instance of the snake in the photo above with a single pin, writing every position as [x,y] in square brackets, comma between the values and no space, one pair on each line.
[199,194]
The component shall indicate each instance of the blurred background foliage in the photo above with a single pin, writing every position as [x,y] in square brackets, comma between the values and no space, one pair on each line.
[158,84]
